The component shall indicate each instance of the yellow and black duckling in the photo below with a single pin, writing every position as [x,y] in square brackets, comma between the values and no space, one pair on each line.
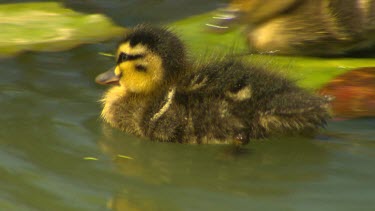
[160,95]
[304,27]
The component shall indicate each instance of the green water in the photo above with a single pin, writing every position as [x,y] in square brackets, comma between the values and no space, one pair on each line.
[56,154]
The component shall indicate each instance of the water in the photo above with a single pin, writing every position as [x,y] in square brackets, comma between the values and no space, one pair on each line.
[56,154]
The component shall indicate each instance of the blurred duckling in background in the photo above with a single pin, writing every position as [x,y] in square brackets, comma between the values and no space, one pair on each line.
[162,96]
[304,27]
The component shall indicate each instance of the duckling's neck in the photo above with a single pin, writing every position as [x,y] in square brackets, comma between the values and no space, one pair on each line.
[156,93]
[118,98]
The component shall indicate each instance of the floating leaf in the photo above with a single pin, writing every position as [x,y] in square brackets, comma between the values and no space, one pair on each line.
[49,26]
[201,41]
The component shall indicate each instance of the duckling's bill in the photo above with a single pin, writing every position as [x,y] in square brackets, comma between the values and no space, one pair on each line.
[108,77]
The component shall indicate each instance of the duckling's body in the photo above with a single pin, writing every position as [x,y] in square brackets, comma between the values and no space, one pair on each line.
[223,101]
[305,27]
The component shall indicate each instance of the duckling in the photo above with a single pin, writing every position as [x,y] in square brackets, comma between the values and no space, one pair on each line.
[163,96]
[304,27]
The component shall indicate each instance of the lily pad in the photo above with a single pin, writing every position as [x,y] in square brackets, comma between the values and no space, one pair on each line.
[49,27]
[200,40]
[310,72]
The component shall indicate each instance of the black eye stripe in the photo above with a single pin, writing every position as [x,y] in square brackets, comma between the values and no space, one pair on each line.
[140,68]
[127,57]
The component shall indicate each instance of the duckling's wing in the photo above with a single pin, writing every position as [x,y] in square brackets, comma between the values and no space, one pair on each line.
[216,78]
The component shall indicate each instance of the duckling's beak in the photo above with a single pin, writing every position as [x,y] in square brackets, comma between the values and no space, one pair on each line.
[108,77]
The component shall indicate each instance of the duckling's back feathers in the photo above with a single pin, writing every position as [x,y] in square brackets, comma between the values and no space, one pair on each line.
[254,101]
[231,76]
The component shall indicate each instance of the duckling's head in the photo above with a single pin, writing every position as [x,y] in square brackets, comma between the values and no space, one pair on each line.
[147,59]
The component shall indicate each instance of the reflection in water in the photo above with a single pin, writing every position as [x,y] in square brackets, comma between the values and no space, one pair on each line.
[264,167]
[133,200]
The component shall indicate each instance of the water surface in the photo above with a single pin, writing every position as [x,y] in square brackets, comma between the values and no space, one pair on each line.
[56,154]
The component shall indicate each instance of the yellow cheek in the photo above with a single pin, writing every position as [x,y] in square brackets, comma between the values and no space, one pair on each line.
[135,81]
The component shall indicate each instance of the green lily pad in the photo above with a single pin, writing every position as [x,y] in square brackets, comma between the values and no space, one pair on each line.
[201,40]
[49,27]
[310,72]
[313,73]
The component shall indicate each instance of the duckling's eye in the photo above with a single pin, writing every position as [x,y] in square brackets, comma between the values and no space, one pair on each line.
[140,68]
[127,57]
